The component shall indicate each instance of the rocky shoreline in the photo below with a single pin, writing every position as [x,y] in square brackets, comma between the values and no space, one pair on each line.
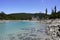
[1,21]
[53,29]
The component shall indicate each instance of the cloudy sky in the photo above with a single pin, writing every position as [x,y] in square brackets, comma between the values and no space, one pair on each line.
[28,6]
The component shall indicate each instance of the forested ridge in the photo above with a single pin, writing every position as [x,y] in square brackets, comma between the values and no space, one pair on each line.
[20,16]
[28,16]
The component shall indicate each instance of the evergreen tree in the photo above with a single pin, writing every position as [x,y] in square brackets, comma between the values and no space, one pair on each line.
[46,11]
[55,9]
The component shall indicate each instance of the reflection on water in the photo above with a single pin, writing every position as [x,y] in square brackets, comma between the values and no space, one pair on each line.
[22,31]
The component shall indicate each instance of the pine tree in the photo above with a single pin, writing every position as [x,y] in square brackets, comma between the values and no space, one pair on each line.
[54,15]
[55,9]
[46,11]
[52,12]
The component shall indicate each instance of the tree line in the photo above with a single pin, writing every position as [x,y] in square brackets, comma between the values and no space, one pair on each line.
[54,14]
[20,16]
[28,16]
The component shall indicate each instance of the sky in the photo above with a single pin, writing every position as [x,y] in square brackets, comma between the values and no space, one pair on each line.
[28,6]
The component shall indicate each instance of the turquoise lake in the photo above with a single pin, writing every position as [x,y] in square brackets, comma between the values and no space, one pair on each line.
[21,30]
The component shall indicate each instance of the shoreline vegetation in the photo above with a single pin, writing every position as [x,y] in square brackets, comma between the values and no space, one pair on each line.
[31,16]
